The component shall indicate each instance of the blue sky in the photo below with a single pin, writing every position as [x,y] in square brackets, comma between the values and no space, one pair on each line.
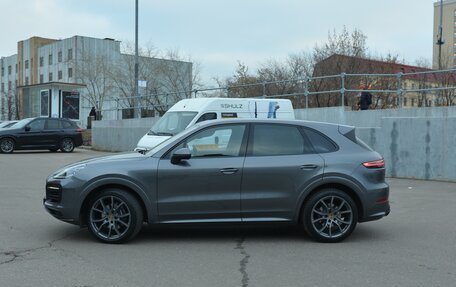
[219,33]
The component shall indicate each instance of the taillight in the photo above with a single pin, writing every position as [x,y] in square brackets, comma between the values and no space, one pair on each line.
[375,164]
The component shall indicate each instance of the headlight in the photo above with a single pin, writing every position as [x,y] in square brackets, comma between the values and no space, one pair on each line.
[68,172]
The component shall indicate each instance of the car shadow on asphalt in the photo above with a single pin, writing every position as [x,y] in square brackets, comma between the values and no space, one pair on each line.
[217,233]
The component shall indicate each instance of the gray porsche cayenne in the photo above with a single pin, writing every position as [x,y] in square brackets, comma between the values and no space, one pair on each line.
[315,174]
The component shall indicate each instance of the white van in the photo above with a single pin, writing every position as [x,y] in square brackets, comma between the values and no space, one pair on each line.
[188,112]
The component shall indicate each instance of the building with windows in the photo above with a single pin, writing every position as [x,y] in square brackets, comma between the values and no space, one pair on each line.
[8,84]
[65,78]
[448,49]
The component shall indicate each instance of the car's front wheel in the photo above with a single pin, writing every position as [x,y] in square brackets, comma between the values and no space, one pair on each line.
[67,145]
[330,215]
[6,145]
[114,216]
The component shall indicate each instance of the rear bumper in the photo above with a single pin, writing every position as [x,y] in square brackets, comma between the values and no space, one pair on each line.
[376,204]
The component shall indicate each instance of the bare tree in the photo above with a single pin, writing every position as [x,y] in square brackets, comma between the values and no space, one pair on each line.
[446,80]
[243,84]
[94,70]
[168,79]
[351,44]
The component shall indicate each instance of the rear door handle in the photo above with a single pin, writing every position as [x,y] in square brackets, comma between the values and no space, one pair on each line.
[229,170]
[308,166]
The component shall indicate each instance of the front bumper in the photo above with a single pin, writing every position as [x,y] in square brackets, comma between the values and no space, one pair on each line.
[62,202]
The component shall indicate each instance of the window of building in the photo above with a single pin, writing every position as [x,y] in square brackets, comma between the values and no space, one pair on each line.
[16,68]
[413,102]
[70,105]
[70,54]
[405,102]
[59,56]
[41,61]
[9,70]
[44,103]
[26,81]
[26,64]
[50,77]
[9,86]
[50,59]
[70,72]
[59,75]
[3,87]
[3,71]
[41,78]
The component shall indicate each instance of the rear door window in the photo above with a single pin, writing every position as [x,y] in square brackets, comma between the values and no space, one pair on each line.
[276,139]
[53,124]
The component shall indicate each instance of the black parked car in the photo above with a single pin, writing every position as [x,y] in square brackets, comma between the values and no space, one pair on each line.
[238,171]
[41,133]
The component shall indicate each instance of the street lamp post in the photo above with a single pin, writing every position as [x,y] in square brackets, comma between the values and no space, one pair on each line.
[136,100]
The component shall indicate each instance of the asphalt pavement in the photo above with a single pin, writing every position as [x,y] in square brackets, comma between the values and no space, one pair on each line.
[414,246]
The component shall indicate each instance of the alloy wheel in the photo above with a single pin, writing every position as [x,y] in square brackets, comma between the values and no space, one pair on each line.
[67,145]
[110,218]
[6,145]
[332,217]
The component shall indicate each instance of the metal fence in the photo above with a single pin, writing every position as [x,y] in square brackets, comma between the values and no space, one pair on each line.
[418,89]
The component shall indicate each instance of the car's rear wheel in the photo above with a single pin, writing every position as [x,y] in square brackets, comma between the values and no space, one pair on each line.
[67,145]
[6,145]
[330,215]
[114,216]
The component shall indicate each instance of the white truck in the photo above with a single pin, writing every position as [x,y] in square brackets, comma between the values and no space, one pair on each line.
[188,112]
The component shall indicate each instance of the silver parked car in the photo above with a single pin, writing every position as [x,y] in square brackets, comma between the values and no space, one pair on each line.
[319,175]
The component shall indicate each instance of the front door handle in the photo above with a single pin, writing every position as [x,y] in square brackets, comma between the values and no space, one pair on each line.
[229,170]
[308,166]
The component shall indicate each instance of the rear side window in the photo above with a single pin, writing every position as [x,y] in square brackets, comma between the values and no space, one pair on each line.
[68,125]
[273,140]
[320,142]
[206,117]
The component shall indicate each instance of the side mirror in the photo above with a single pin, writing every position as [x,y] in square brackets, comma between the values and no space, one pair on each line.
[180,154]
[27,128]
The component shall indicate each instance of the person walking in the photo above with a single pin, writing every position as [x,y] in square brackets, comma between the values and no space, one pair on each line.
[365,99]
[93,113]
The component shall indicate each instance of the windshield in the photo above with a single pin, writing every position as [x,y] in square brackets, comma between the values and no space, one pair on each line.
[172,123]
[22,123]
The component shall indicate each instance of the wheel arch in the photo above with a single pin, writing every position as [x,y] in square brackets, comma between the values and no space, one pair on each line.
[100,188]
[350,188]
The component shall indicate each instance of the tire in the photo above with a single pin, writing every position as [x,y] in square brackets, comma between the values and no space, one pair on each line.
[67,145]
[114,216]
[6,145]
[330,216]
